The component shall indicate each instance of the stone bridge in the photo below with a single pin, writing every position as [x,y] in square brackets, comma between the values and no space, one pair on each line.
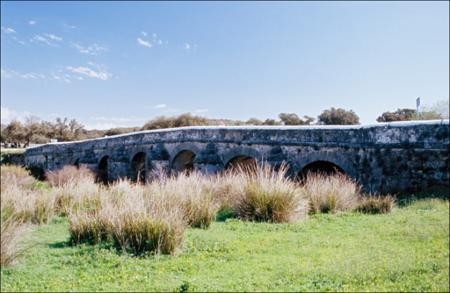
[386,157]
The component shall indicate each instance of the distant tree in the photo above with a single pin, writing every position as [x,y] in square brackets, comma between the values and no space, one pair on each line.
[269,121]
[65,130]
[399,115]
[290,119]
[293,119]
[2,133]
[409,114]
[120,130]
[33,131]
[186,119]
[254,121]
[15,133]
[338,116]
[442,107]
[429,115]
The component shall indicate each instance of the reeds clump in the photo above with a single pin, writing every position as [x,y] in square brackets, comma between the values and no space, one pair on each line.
[195,195]
[70,175]
[330,194]
[267,195]
[12,231]
[376,204]
[12,175]
[133,218]
[31,206]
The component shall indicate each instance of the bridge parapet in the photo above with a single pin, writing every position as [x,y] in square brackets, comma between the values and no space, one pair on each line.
[383,157]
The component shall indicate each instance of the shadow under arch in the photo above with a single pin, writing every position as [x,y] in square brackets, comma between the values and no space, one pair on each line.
[183,161]
[102,170]
[138,167]
[320,167]
[241,158]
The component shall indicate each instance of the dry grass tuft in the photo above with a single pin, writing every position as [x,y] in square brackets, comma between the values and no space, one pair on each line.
[329,194]
[12,231]
[267,195]
[134,218]
[33,206]
[376,204]
[12,175]
[70,175]
[195,195]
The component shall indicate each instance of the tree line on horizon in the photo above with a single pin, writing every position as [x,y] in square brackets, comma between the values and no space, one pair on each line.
[36,131]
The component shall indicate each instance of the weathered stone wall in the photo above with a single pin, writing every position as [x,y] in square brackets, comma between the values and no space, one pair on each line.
[386,157]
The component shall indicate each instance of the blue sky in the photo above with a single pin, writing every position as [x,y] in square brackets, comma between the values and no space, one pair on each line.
[122,63]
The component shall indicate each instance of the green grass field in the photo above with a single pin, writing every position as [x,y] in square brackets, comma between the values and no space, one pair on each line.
[406,250]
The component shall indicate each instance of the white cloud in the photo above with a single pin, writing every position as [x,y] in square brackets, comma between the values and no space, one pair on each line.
[144,34]
[189,47]
[7,115]
[101,72]
[144,43]
[29,75]
[53,37]
[160,106]
[93,49]
[41,39]
[48,39]
[32,22]
[8,30]
[68,26]
[18,40]
[7,73]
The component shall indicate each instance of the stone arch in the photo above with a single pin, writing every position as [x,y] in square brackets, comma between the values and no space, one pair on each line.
[246,158]
[183,161]
[76,163]
[326,160]
[336,158]
[321,167]
[138,167]
[102,170]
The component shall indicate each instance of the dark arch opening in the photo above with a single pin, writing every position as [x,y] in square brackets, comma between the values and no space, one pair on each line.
[102,170]
[320,167]
[184,162]
[37,172]
[138,167]
[241,163]
[77,163]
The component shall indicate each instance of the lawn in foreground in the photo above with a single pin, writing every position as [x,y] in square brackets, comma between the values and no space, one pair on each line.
[406,250]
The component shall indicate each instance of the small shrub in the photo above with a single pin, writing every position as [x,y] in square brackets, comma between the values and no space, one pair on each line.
[372,204]
[224,213]
[267,195]
[329,194]
[70,175]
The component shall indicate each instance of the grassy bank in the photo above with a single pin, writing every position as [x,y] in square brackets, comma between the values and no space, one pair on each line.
[406,250]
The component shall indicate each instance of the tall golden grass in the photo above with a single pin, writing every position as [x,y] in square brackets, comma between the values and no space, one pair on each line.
[266,194]
[330,194]
[153,218]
